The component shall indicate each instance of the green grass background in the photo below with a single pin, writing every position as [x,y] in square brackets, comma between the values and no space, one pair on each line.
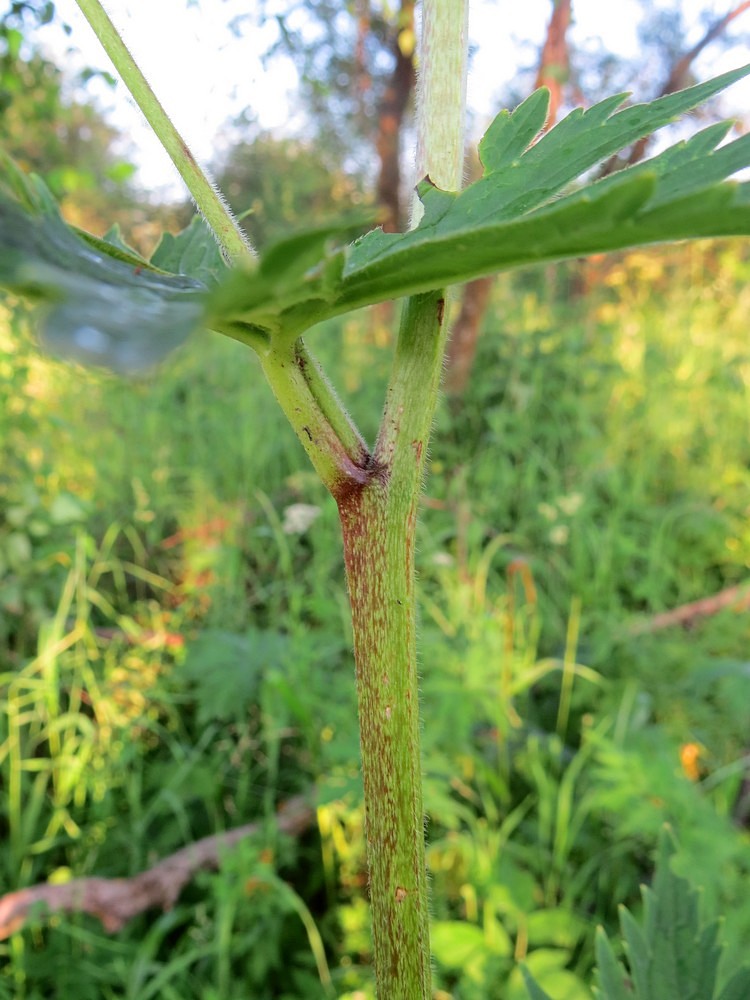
[175,662]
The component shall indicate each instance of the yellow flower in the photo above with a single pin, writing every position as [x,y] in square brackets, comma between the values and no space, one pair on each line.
[690,755]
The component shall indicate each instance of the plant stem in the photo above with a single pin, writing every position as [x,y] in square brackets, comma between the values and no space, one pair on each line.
[207,198]
[378,524]
[378,520]
[328,435]
[441,93]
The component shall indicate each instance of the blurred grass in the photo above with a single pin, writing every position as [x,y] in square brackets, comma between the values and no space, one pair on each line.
[175,647]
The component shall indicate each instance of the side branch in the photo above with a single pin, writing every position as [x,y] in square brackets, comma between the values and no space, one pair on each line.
[115,901]
[332,442]
[214,209]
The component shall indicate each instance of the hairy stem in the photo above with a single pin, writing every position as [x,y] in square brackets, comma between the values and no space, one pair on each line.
[207,198]
[441,95]
[329,437]
[378,522]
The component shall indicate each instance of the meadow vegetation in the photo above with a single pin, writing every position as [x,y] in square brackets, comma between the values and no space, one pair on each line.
[175,647]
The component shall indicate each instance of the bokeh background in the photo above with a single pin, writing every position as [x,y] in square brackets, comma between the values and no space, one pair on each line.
[175,654]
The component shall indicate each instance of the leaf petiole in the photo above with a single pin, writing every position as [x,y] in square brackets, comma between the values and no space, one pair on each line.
[210,203]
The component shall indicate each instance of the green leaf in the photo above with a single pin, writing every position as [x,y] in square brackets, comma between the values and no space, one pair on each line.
[524,210]
[105,305]
[682,963]
[194,252]
[535,991]
[610,974]
[455,942]
[98,303]
[114,238]
[226,669]
[672,956]
[738,987]
[638,951]
[557,927]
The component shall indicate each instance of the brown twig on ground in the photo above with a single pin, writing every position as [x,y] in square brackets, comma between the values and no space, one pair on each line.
[115,901]
[737,597]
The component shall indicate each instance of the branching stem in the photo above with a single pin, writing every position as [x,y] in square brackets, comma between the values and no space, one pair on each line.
[330,439]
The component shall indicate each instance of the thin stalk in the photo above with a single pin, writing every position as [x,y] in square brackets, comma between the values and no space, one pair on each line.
[209,201]
[441,95]
[332,442]
[331,406]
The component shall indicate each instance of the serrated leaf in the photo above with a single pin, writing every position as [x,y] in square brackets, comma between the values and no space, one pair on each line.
[670,957]
[610,973]
[28,190]
[512,132]
[113,245]
[226,669]
[638,952]
[673,929]
[98,304]
[585,138]
[193,252]
[524,211]
[738,987]
[707,969]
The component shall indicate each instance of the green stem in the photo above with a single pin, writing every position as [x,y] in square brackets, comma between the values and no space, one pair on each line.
[329,437]
[378,520]
[379,523]
[331,406]
[441,110]
[208,199]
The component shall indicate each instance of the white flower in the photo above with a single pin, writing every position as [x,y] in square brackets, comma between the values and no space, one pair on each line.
[298,517]
[443,559]
[570,503]
[559,534]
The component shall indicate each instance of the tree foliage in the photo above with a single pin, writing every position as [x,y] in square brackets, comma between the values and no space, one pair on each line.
[49,130]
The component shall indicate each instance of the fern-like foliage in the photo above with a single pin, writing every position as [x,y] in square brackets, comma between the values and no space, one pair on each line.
[670,953]
[103,303]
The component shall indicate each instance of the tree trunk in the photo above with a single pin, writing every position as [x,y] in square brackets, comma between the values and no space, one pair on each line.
[390,119]
[554,64]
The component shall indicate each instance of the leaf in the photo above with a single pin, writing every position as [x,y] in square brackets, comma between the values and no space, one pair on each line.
[194,252]
[523,210]
[227,669]
[113,244]
[557,927]
[455,942]
[106,306]
[738,987]
[610,974]
[682,962]
[535,991]
[98,303]
[672,956]
[638,952]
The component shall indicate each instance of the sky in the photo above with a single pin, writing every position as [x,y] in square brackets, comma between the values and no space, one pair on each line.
[204,75]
